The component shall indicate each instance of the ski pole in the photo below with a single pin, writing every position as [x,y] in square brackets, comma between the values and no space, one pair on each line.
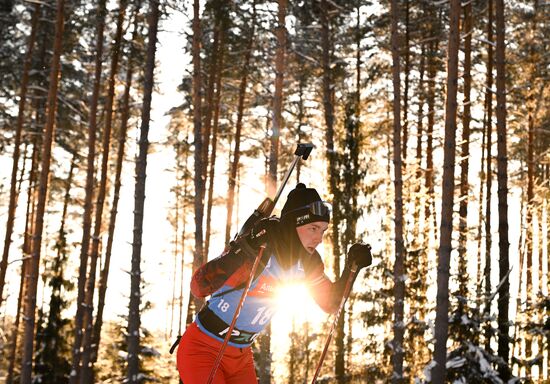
[237,312]
[266,207]
[347,290]
[264,210]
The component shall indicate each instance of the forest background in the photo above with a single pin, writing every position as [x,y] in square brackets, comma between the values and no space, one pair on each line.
[430,123]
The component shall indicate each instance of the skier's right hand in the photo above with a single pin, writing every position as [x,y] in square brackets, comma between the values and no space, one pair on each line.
[263,231]
[359,255]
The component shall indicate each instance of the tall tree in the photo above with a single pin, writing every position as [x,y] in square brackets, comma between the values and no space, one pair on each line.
[407,70]
[211,80]
[398,268]
[85,377]
[416,259]
[333,171]
[121,143]
[89,191]
[532,204]
[502,179]
[215,129]
[51,362]
[185,197]
[464,163]
[447,199]
[264,363]
[480,224]
[489,172]
[238,126]
[27,243]
[277,121]
[431,101]
[175,221]
[328,106]
[199,257]
[134,319]
[49,128]
[16,147]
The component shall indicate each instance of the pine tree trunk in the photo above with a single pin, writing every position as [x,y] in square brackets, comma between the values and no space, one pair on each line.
[277,124]
[50,362]
[185,198]
[358,38]
[176,224]
[264,363]
[121,142]
[22,173]
[89,191]
[12,205]
[489,174]
[482,178]
[29,220]
[398,269]
[15,328]
[32,192]
[85,376]
[238,128]
[530,228]
[464,164]
[212,172]
[352,141]
[445,247]
[546,178]
[418,155]
[189,319]
[516,341]
[429,176]
[134,320]
[502,179]
[34,264]
[415,349]
[328,104]
[405,126]
[199,257]
[209,110]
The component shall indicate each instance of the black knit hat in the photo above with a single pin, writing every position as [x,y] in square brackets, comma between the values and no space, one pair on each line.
[298,207]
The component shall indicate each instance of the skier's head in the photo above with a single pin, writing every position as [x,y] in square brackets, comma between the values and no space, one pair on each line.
[303,206]
[304,218]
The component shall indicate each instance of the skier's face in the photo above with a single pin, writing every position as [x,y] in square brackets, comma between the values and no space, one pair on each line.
[311,235]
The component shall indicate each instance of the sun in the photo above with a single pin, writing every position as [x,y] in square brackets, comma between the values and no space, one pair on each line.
[294,302]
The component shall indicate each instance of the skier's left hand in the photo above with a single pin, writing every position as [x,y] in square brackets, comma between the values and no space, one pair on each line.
[359,254]
[263,231]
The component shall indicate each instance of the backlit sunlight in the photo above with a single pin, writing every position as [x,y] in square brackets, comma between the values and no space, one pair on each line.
[295,303]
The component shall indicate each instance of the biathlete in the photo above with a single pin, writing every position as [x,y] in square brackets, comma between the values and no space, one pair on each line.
[290,254]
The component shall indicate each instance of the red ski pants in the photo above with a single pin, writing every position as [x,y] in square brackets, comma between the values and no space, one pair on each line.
[197,353]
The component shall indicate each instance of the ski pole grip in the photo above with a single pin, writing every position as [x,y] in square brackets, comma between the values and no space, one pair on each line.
[303,150]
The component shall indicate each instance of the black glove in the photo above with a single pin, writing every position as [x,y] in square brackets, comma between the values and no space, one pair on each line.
[263,231]
[359,254]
